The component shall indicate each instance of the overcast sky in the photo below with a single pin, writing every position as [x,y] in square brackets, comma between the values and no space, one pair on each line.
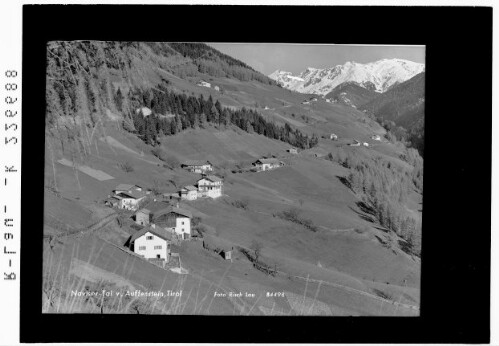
[268,57]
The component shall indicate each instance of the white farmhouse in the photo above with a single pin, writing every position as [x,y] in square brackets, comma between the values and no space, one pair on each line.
[197,166]
[210,186]
[129,196]
[333,137]
[267,164]
[365,144]
[152,242]
[376,137]
[204,84]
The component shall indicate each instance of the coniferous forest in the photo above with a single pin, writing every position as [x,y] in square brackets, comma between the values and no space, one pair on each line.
[173,113]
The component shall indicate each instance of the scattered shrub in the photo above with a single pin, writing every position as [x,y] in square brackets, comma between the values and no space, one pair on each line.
[241,203]
[126,167]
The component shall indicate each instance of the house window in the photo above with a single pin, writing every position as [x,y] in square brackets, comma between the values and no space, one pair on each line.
[149,237]
[182,222]
[142,247]
[157,247]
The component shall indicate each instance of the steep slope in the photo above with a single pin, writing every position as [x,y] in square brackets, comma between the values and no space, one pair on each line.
[403,104]
[94,91]
[351,94]
[378,76]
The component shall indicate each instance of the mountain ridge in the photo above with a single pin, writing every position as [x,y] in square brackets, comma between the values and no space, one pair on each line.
[379,76]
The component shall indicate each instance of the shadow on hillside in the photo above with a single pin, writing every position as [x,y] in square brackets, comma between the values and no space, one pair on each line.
[345,182]
[366,212]
[379,228]
[382,242]
[365,208]
[405,246]
[363,216]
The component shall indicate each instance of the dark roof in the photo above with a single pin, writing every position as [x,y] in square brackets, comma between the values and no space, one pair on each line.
[170,209]
[180,211]
[195,163]
[213,178]
[273,161]
[124,187]
[160,232]
[134,194]
[189,188]
[155,206]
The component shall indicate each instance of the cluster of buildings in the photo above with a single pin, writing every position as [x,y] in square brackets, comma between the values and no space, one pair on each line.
[160,223]
[207,85]
[356,143]
[208,185]
[307,102]
[163,225]
[267,164]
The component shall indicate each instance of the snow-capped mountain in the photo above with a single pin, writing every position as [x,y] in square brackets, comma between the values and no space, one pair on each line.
[378,76]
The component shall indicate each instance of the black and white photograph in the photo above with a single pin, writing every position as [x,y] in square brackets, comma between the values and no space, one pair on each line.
[269,179]
[248,174]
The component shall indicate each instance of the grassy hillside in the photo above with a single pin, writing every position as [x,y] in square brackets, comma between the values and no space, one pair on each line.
[350,93]
[343,263]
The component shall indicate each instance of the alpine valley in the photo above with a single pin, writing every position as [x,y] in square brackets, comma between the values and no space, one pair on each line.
[389,90]
[172,167]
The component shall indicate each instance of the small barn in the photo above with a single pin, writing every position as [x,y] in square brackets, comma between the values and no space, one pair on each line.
[175,220]
[142,217]
[145,215]
[189,193]
[333,137]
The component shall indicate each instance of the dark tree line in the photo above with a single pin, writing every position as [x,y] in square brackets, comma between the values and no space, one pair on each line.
[173,113]
[384,189]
